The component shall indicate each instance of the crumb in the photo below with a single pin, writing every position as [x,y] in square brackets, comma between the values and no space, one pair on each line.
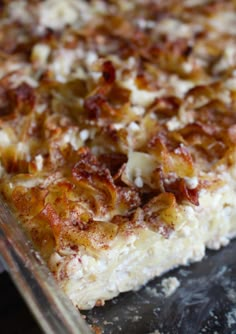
[169,285]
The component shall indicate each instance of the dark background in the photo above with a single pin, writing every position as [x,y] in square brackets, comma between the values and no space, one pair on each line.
[15,317]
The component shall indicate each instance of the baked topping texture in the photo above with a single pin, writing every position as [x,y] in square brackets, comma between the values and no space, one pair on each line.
[114,116]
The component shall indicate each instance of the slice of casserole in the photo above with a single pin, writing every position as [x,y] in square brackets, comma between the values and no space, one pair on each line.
[118,135]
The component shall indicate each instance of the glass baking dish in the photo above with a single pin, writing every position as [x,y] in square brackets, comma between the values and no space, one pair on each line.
[204,302]
[52,309]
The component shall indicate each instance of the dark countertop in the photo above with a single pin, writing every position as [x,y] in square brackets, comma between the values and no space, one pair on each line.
[205,303]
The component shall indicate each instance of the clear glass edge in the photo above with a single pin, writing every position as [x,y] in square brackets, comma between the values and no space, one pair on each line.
[52,309]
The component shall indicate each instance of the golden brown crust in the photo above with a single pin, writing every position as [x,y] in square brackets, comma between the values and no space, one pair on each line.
[151,88]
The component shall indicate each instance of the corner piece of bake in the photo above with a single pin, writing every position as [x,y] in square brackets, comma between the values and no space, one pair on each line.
[118,135]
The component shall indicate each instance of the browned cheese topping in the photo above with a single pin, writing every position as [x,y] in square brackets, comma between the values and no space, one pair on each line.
[113,114]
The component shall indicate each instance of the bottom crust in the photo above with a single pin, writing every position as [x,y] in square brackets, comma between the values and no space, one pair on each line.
[90,279]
